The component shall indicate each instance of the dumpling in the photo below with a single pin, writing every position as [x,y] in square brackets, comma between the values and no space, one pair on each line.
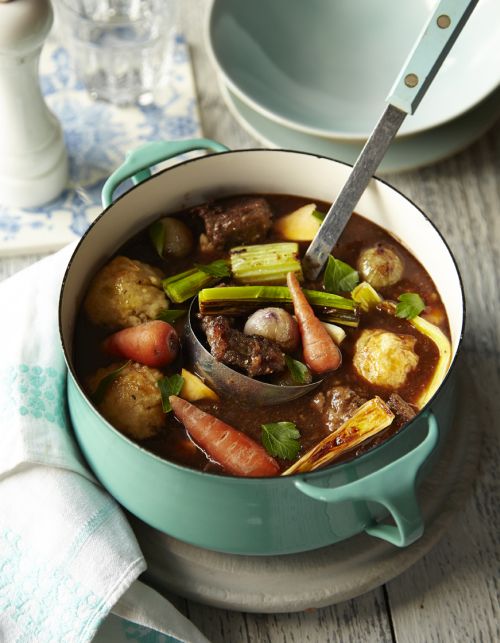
[125,292]
[384,358]
[132,401]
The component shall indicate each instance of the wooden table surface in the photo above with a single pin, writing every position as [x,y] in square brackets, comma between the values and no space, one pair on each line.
[452,594]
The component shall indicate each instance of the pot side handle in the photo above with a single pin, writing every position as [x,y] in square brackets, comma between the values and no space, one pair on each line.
[392,486]
[138,162]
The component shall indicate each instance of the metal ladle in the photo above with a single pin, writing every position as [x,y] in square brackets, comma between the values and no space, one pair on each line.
[429,52]
[230,383]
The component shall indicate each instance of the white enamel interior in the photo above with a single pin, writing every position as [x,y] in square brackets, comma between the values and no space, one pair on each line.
[258,171]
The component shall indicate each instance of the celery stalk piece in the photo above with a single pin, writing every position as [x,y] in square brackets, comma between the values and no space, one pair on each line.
[368,420]
[241,300]
[439,338]
[186,285]
[266,263]
[366,296]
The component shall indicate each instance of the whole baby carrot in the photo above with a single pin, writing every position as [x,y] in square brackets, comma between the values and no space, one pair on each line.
[321,354]
[232,449]
[153,343]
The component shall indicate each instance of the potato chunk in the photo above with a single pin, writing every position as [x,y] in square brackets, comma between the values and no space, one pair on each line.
[132,401]
[384,358]
[125,292]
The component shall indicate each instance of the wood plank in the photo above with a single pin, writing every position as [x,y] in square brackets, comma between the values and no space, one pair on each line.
[360,619]
[453,594]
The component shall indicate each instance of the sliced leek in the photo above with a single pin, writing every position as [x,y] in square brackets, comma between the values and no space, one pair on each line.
[368,420]
[241,300]
[267,263]
[187,284]
[336,333]
[444,347]
[366,296]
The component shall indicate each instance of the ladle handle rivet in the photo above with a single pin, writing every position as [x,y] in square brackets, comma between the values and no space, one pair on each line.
[443,21]
[411,80]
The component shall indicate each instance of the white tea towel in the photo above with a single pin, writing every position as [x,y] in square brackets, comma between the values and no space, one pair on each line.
[67,553]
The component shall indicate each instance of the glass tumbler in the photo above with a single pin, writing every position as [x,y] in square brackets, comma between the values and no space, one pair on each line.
[121,49]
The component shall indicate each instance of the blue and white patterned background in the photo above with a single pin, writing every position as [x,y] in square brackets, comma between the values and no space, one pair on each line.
[97,136]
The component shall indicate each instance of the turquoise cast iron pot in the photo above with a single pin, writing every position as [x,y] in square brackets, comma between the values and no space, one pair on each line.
[375,492]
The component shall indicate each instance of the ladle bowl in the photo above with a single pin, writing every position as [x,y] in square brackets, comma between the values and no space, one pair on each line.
[228,382]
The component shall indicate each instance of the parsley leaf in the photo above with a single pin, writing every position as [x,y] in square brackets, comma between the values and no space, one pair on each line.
[410,305]
[218,268]
[169,386]
[157,235]
[339,276]
[104,384]
[171,314]
[299,371]
[281,439]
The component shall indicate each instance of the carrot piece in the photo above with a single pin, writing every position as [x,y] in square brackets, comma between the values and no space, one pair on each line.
[232,449]
[154,343]
[321,354]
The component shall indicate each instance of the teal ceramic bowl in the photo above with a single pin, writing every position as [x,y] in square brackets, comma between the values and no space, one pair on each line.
[375,492]
[325,67]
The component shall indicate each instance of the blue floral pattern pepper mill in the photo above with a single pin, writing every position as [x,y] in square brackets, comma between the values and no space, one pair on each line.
[33,159]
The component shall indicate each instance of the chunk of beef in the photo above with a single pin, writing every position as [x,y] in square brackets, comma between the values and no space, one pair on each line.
[403,411]
[337,405]
[252,354]
[229,222]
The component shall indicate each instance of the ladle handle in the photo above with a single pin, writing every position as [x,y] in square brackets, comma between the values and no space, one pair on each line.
[138,162]
[431,48]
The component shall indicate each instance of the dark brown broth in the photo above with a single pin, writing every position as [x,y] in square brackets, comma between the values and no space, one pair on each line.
[173,444]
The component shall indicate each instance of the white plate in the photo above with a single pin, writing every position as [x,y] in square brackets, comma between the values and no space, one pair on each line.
[325,68]
[404,154]
[325,576]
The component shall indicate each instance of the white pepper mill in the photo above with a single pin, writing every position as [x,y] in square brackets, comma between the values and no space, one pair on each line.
[33,160]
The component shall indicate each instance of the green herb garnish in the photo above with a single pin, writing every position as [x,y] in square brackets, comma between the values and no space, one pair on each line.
[339,276]
[98,395]
[171,314]
[299,371]
[281,439]
[218,268]
[410,305]
[319,215]
[157,235]
[169,386]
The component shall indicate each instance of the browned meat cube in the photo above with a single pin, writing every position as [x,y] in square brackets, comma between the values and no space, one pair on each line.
[403,411]
[234,221]
[253,354]
[337,405]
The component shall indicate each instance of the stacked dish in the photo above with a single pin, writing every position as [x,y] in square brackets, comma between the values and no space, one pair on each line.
[313,76]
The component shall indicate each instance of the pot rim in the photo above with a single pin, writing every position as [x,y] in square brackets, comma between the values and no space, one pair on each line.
[311,475]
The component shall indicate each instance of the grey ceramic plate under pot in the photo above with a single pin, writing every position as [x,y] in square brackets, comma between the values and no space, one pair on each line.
[407,153]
